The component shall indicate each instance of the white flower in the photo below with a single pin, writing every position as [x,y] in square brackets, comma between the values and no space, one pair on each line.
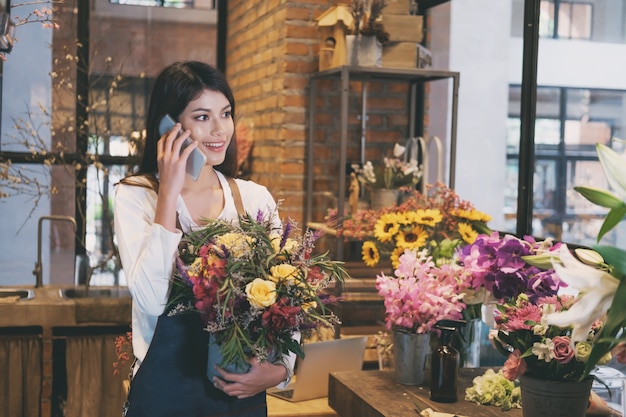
[398,150]
[540,329]
[543,350]
[597,289]
[614,167]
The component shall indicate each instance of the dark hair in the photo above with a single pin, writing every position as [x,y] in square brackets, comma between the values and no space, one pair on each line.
[176,86]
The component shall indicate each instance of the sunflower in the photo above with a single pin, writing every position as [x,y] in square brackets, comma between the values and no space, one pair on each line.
[427,217]
[395,256]
[467,233]
[370,253]
[412,238]
[387,226]
[471,215]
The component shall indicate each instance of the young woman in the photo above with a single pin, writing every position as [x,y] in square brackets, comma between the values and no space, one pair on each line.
[153,208]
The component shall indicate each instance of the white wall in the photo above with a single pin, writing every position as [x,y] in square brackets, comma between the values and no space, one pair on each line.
[479,50]
[573,64]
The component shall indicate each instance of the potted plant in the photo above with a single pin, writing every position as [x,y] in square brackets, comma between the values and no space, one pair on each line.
[364,44]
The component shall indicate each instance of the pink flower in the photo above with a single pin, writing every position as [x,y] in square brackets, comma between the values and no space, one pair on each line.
[514,366]
[563,352]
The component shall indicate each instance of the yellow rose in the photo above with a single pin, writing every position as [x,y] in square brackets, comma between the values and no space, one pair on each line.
[236,243]
[261,293]
[309,306]
[283,272]
[583,349]
[195,268]
[290,246]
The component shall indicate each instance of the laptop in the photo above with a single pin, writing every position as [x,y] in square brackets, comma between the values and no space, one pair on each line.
[321,358]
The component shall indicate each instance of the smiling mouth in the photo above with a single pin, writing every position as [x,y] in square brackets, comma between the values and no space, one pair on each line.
[213,145]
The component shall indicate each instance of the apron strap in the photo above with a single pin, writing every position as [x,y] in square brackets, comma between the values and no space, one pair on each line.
[234,188]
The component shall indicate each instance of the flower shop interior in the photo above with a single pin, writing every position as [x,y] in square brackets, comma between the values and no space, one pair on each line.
[462,159]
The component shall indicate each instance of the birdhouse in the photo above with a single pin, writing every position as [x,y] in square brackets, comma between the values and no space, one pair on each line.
[334,24]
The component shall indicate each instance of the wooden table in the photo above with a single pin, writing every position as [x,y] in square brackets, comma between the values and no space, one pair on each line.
[376,394]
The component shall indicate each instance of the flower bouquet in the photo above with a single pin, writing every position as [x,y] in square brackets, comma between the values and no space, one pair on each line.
[393,174]
[547,359]
[599,278]
[498,271]
[438,221]
[254,287]
[537,349]
[419,294]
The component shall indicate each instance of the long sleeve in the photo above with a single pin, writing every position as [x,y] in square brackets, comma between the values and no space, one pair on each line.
[147,252]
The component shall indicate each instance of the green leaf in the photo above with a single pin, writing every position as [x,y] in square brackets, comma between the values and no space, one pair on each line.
[599,197]
[612,219]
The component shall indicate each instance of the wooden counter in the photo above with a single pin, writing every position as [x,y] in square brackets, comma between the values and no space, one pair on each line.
[376,394]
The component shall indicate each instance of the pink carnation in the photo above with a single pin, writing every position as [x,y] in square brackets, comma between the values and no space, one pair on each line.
[514,366]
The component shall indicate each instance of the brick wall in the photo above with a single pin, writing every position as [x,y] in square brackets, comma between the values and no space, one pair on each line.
[272,49]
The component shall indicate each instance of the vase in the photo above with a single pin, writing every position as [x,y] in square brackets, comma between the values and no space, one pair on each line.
[364,51]
[410,351]
[471,338]
[215,358]
[383,197]
[542,398]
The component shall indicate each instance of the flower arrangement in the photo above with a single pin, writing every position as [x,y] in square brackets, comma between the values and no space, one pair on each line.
[438,221]
[394,173]
[536,348]
[367,19]
[255,286]
[498,268]
[599,278]
[419,294]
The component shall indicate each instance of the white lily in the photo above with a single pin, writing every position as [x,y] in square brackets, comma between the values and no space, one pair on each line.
[614,166]
[596,291]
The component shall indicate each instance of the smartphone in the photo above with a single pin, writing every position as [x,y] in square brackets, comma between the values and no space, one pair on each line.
[196,160]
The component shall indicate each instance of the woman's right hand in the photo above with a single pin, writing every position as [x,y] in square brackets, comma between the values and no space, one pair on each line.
[171,162]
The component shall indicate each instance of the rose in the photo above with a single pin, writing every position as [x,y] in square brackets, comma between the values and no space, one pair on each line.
[236,243]
[289,246]
[261,293]
[583,349]
[563,352]
[514,366]
[283,272]
[280,316]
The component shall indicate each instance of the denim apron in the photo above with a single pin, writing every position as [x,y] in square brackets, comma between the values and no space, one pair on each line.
[172,381]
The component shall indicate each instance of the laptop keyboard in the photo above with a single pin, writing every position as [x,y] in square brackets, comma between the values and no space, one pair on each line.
[288,393]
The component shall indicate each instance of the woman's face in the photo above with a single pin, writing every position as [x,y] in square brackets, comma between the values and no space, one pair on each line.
[210,121]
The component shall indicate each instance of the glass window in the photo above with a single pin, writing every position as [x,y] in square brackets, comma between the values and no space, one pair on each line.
[180,4]
[594,20]
[565,157]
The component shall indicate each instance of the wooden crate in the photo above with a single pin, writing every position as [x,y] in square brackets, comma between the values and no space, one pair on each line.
[397,7]
[405,55]
[403,28]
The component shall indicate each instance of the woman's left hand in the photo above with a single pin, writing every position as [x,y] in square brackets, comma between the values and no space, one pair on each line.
[260,377]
